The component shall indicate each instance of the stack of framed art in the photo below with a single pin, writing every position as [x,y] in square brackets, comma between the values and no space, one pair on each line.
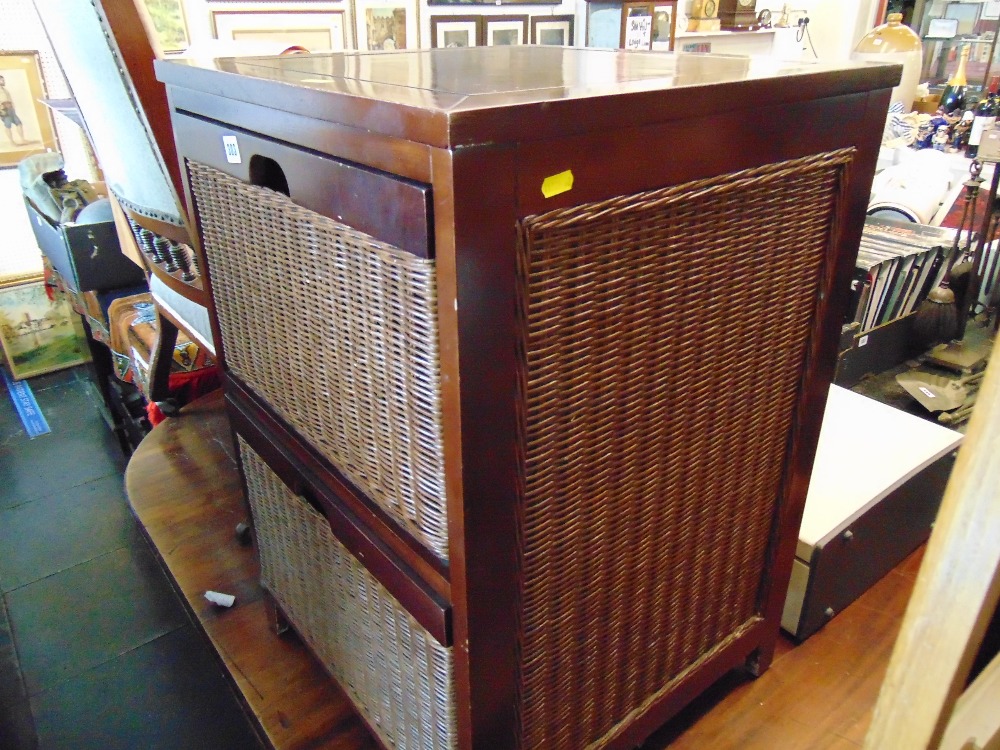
[388,25]
[499,30]
[396,24]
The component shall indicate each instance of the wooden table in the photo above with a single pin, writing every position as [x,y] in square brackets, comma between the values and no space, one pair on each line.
[185,490]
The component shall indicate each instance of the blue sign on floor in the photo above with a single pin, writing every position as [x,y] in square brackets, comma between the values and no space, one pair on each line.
[27,408]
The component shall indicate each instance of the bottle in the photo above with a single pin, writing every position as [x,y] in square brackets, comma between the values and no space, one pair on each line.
[953,97]
[985,118]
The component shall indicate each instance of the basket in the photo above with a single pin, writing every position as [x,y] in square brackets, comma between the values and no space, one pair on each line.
[338,333]
[398,676]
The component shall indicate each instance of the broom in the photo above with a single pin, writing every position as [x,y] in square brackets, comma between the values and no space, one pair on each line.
[936,319]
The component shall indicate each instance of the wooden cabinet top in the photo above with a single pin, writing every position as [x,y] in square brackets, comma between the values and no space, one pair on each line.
[466,96]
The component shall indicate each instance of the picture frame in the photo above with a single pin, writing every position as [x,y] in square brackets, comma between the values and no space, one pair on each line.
[38,334]
[28,127]
[664,24]
[386,24]
[637,26]
[456,31]
[170,24]
[604,21]
[556,31]
[316,31]
[493,3]
[506,30]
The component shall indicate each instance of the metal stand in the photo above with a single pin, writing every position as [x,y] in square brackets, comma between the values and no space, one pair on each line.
[959,354]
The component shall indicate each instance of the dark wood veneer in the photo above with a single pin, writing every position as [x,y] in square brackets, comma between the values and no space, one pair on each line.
[330,187]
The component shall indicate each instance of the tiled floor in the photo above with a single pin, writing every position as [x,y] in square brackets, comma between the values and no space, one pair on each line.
[96,650]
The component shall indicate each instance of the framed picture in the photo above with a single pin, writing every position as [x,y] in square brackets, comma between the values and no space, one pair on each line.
[604,21]
[39,335]
[456,31]
[317,31]
[171,26]
[637,26]
[506,30]
[493,2]
[27,123]
[386,24]
[664,24]
[556,31]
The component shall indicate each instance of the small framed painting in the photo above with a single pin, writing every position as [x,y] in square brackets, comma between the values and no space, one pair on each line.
[39,334]
[604,22]
[556,31]
[637,26]
[664,24]
[386,24]
[315,31]
[503,31]
[27,123]
[456,31]
[169,22]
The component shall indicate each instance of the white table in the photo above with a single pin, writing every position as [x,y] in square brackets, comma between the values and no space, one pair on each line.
[875,488]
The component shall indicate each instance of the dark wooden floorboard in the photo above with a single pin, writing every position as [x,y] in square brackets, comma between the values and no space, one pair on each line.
[183,487]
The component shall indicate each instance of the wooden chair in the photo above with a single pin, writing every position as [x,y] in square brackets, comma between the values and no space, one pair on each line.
[927,700]
[107,56]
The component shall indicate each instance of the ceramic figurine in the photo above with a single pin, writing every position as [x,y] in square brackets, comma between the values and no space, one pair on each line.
[925,132]
[940,138]
[960,133]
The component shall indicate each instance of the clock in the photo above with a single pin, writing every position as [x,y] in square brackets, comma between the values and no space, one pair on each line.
[737,15]
[703,16]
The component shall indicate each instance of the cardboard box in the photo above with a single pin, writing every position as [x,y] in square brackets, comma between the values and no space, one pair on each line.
[927,105]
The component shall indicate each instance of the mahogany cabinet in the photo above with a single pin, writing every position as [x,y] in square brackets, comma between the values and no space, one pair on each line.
[527,351]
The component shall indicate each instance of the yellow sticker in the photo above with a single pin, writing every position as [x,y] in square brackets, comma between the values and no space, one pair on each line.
[557,183]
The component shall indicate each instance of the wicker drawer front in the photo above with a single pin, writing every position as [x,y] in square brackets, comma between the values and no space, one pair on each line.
[338,332]
[665,340]
[398,675]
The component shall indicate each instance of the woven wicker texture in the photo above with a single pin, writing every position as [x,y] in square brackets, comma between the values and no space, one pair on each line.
[338,332]
[397,674]
[665,339]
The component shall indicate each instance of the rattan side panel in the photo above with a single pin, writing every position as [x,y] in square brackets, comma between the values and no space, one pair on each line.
[338,333]
[665,337]
[397,674]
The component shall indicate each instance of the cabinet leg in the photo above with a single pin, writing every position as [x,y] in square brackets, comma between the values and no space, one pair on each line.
[276,618]
[759,660]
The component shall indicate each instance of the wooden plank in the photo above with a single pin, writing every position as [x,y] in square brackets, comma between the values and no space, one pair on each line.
[976,713]
[956,593]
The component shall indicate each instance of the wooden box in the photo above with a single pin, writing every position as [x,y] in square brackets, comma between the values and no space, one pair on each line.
[876,350]
[543,335]
[87,256]
[877,482]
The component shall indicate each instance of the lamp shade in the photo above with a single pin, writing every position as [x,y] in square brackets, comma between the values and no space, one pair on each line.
[894,42]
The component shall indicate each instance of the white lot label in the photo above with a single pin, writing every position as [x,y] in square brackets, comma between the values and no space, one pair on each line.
[232,149]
